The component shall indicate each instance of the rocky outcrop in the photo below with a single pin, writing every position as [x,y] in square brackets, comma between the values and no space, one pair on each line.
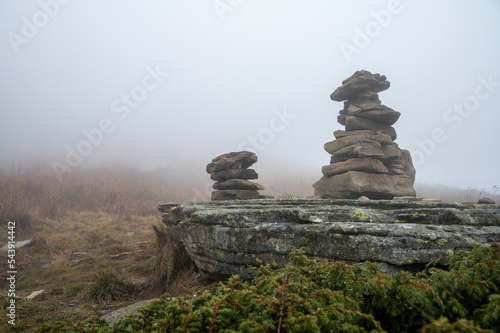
[486,201]
[365,159]
[229,237]
[133,309]
[231,173]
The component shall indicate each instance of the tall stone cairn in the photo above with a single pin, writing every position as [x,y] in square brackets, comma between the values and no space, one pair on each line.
[231,173]
[365,159]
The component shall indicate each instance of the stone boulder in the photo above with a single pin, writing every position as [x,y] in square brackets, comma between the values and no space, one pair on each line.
[224,238]
[359,82]
[365,159]
[232,161]
[359,164]
[486,201]
[227,174]
[231,173]
[354,184]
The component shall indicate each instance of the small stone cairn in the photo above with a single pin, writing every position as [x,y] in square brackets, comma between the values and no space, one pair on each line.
[365,159]
[231,173]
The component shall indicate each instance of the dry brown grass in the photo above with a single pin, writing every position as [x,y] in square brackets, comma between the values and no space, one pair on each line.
[99,261]
[35,192]
[95,248]
[174,272]
[452,194]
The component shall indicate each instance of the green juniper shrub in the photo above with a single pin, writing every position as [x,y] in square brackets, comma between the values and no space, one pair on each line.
[321,296]
[470,284]
[443,325]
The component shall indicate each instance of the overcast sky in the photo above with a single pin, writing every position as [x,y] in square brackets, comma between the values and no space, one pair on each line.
[172,82]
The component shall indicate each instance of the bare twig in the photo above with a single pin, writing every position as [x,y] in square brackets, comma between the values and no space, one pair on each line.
[216,312]
[282,306]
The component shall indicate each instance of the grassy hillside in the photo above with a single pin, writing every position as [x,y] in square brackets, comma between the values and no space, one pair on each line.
[98,242]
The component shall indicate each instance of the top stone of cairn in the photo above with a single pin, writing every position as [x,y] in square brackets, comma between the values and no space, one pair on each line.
[236,160]
[359,82]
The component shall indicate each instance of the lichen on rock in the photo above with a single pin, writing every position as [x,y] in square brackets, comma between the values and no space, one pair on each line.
[224,238]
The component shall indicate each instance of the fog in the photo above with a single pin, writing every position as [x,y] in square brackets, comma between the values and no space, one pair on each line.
[152,83]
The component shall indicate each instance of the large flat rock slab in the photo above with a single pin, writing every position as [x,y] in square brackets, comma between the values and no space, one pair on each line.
[225,238]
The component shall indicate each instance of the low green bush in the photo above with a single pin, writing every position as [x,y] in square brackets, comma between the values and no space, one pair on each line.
[321,296]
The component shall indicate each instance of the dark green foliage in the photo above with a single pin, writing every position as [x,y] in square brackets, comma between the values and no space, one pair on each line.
[471,286]
[443,325]
[321,296]
[92,324]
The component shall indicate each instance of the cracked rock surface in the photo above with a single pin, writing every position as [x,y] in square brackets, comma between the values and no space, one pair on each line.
[224,238]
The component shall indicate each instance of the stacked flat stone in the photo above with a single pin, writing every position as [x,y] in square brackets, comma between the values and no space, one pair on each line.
[231,173]
[365,159]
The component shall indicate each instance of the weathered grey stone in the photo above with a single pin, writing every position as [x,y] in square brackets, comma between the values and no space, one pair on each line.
[237,184]
[230,171]
[391,152]
[229,237]
[406,160]
[132,309]
[334,146]
[486,201]
[355,164]
[344,154]
[407,199]
[365,96]
[19,245]
[352,108]
[341,119]
[364,106]
[366,138]
[359,82]
[353,184]
[234,173]
[353,123]
[340,133]
[235,194]
[383,115]
[368,135]
[236,160]
[369,151]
